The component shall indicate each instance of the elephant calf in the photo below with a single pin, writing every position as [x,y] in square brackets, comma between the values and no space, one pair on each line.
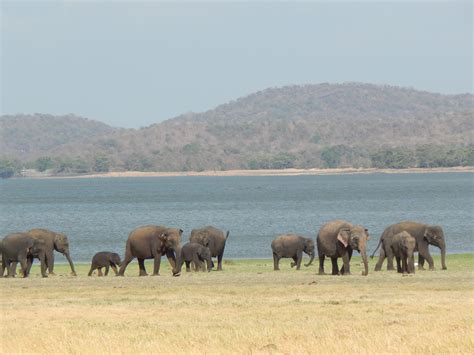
[195,253]
[292,246]
[403,247]
[105,259]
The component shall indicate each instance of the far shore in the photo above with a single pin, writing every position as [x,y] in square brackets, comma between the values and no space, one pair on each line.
[262,172]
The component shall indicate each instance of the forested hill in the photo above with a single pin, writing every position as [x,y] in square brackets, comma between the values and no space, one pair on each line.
[325,125]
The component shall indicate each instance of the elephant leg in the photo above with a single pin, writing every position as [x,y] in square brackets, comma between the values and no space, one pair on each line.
[114,268]
[99,269]
[9,266]
[390,259]
[378,266]
[346,269]
[335,268]
[141,265]
[24,267]
[107,270]
[423,250]
[295,261]
[421,262]
[399,266]
[50,262]
[299,257]
[91,271]
[188,266]
[349,254]
[156,265]
[276,261]
[13,266]
[321,264]
[219,261]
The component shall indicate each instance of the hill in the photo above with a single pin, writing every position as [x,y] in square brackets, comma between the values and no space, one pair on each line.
[325,125]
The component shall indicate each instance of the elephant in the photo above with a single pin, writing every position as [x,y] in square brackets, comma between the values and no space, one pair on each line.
[22,248]
[403,247]
[292,246]
[194,253]
[424,235]
[53,241]
[340,238]
[212,238]
[105,259]
[151,242]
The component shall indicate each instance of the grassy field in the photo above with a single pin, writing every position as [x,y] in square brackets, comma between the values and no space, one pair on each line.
[247,308]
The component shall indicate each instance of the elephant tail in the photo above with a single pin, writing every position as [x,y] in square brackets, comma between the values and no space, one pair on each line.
[378,246]
[227,235]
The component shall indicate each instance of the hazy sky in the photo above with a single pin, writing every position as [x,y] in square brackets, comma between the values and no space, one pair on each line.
[133,64]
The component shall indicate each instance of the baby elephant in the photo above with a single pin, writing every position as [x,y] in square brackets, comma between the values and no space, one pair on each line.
[105,259]
[403,246]
[197,254]
[292,246]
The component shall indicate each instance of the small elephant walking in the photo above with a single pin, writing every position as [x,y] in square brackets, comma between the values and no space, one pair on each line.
[338,239]
[197,254]
[212,238]
[22,248]
[424,235]
[403,247]
[107,260]
[292,246]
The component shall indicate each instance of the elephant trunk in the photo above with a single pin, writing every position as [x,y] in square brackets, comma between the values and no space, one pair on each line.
[443,256]
[68,257]
[178,262]
[310,260]
[410,264]
[363,254]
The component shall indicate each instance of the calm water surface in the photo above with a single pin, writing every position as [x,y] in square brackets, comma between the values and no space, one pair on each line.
[98,214]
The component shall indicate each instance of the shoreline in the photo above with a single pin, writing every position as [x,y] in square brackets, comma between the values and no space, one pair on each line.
[261,172]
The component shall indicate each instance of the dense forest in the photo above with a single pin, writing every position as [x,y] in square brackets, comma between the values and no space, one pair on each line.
[325,125]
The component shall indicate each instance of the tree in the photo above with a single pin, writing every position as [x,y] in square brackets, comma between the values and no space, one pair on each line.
[7,168]
[101,163]
[44,163]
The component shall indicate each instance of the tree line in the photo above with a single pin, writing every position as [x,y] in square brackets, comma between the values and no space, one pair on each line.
[338,156]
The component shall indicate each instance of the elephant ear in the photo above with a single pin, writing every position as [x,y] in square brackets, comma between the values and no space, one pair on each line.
[343,237]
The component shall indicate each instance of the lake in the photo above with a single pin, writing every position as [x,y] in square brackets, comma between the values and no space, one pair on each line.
[97,214]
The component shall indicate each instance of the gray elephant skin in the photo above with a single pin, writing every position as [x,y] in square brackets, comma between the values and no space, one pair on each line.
[196,254]
[424,234]
[22,248]
[338,239]
[105,259]
[53,241]
[403,248]
[212,238]
[151,242]
[292,246]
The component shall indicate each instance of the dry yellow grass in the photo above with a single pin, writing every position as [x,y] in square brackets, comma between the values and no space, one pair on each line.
[247,308]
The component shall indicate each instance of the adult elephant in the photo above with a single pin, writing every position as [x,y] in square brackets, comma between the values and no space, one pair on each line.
[20,247]
[424,234]
[212,238]
[53,241]
[338,239]
[151,242]
[292,246]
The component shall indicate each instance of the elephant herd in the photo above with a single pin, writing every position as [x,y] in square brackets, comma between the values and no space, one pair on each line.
[335,239]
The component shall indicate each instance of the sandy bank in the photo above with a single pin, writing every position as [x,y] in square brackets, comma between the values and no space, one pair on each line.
[269,172]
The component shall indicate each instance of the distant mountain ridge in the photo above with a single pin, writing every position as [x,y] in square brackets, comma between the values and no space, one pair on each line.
[324,125]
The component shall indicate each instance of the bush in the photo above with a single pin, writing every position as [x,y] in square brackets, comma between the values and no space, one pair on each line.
[7,168]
